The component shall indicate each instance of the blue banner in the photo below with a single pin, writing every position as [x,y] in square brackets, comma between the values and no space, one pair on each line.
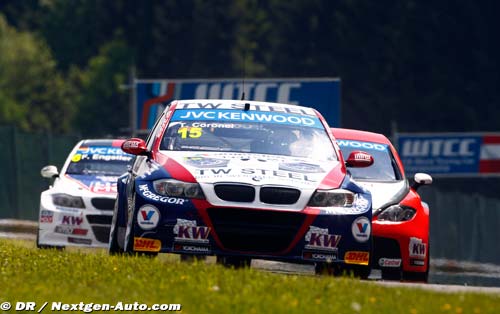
[441,154]
[152,96]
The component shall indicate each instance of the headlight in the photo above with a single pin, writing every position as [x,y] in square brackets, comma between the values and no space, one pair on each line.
[332,198]
[174,188]
[397,213]
[66,200]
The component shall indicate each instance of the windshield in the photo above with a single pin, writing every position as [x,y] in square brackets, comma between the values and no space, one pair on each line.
[273,133]
[384,166]
[99,160]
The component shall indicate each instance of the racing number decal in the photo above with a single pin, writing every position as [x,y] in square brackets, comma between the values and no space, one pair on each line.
[190,132]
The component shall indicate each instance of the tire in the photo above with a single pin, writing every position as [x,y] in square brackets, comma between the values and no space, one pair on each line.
[234,261]
[114,248]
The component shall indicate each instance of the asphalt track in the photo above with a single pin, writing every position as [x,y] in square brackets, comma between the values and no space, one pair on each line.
[445,276]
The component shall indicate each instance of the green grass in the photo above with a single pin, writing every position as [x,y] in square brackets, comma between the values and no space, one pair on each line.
[91,276]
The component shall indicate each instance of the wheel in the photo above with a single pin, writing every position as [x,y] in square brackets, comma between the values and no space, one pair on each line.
[234,261]
[114,248]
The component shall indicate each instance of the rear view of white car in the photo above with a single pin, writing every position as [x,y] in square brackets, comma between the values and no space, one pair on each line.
[77,209]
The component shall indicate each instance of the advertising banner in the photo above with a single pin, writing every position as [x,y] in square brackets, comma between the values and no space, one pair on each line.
[450,154]
[151,96]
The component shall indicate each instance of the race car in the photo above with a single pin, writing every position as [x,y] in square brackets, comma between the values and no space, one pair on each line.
[77,209]
[243,180]
[400,218]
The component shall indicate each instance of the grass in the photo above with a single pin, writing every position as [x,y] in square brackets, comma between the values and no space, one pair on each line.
[91,276]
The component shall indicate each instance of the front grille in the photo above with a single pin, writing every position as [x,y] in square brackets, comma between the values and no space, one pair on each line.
[101,233]
[99,219]
[235,193]
[255,230]
[103,203]
[280,196]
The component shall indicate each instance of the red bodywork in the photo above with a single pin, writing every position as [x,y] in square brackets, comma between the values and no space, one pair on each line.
[412,252]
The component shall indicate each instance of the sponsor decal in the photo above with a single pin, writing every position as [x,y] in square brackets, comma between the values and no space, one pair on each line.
[130,144]
[189,231]
[389,262]
[362,145]
[323,257]
[225,115]
[253,173]
[357,257]
[417,248]
[46,216]
[361,156]
[301,167]
[103,187]
[319,239]
[63,229]
[147,245]
[144,190]
[79,241]
[72,220]
[205,162]
[361,229]
[417,262]
[361,204]
[148,217]
[191,248]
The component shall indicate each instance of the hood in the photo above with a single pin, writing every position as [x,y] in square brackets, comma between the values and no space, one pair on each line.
[385,192]
[84,184]
[255,169]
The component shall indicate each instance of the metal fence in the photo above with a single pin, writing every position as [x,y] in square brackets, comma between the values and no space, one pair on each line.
[22,155]
[463,226]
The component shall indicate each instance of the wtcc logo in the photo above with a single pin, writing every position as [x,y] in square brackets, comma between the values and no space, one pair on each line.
[361,229]
[148,217]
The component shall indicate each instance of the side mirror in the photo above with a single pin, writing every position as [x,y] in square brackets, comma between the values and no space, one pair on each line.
[135,146]
[49,172]
[359,159]
[421,179]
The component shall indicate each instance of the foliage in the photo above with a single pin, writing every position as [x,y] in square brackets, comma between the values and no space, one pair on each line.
[29,274]
[33,94]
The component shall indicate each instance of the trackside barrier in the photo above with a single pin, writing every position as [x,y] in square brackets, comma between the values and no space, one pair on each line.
[464,227]
[21,158]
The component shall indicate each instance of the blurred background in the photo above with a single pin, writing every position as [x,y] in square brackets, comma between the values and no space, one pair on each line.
[67,67]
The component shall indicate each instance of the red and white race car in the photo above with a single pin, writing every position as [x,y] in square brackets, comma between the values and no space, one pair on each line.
[400,219]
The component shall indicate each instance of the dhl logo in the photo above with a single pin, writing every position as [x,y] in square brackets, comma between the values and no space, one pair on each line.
[357,257]
[147,245]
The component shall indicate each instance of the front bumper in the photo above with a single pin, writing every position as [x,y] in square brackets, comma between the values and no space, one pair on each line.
[196,227]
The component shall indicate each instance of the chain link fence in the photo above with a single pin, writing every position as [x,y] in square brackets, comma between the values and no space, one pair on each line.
[22,155]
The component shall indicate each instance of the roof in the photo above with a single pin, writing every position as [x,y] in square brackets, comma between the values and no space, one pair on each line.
[228,102]
[350,134]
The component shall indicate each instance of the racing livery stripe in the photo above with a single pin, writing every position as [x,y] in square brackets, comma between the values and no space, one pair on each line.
[176,170]
[334,178]
[117,143]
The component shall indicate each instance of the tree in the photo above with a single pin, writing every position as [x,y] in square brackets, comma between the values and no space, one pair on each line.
[33,94]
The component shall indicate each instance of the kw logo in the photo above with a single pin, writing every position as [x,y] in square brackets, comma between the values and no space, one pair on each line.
[194,233]
[72,220]
[324,240]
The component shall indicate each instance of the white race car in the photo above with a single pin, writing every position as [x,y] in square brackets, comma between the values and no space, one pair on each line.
[77,209]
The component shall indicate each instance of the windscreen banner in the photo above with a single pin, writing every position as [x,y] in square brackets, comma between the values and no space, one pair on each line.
[450,154]
[151,96]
